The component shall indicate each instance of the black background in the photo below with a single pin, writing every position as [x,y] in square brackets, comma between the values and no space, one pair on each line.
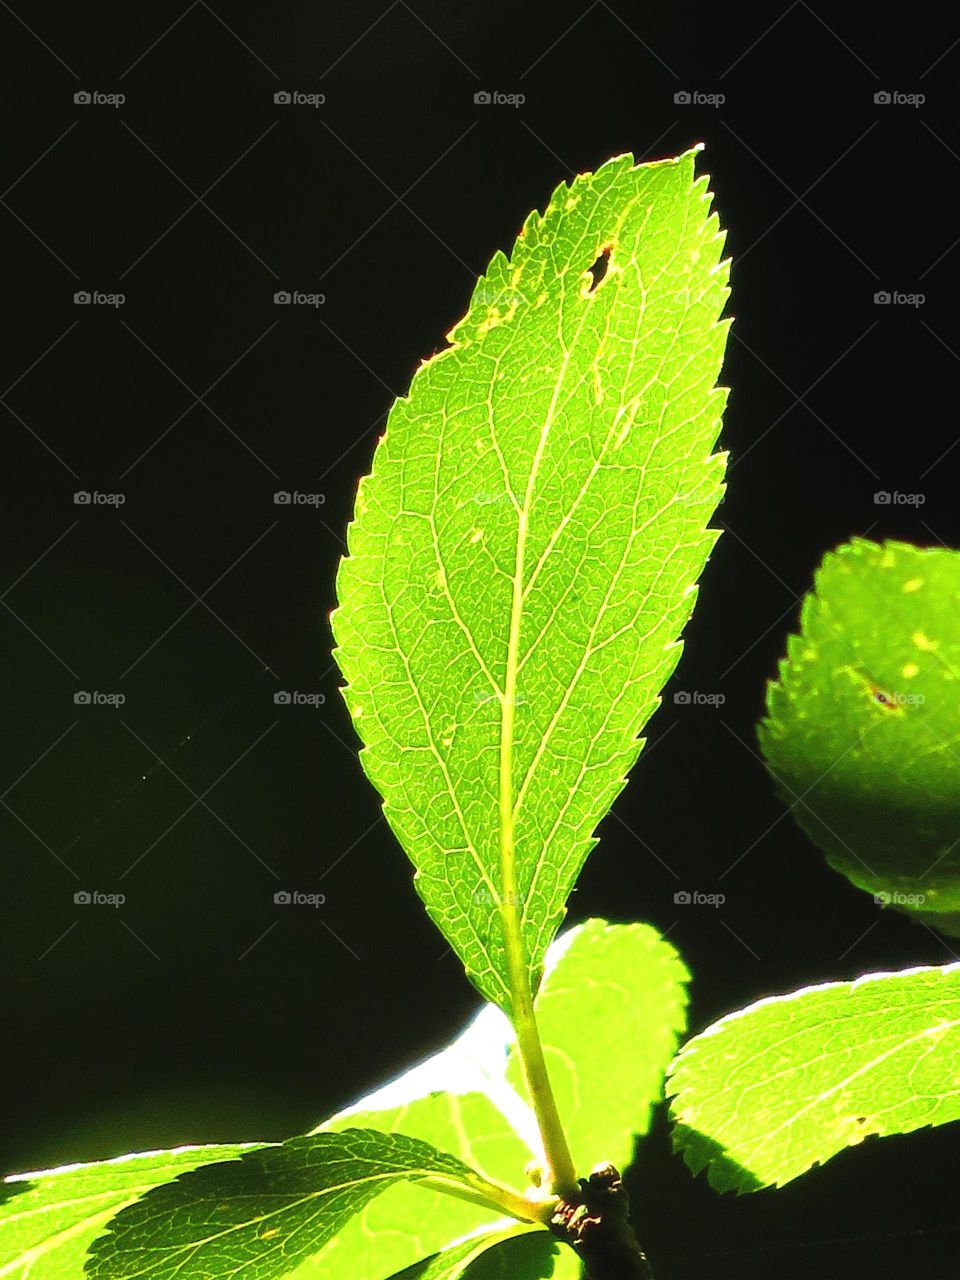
[199,1010]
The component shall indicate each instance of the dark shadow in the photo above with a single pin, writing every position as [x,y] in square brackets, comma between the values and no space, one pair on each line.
[702,1153]
[10,1189]
[529,1257]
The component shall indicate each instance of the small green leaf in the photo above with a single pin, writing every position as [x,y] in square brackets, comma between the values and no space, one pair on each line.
[533,1255]
[768,1092]
[266,1211]
[610,1011]
[523,555]
[451,1263]
[48,1220]
[519,1253]
[610,1007]
[863,727]
[408,1222]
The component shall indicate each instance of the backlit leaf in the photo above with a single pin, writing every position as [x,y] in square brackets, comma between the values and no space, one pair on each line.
[786,1083]
[48,1220]
[610,1014]
[863,727]
[610,1008]
[519,1253]
[262,1214]
[523,555]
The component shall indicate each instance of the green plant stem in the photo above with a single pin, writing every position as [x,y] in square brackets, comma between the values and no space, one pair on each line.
[493,1195]
[560,1175]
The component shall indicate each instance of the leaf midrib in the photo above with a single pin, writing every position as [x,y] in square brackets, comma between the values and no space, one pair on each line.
[190,1248]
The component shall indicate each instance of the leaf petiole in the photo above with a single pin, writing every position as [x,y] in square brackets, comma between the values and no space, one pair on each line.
[495,1195]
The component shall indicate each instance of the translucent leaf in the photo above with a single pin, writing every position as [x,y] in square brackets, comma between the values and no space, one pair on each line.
[768,1092]
[863,727]
[524,553]
[517,1254]
[408,1222]
[610,1014]
[266,1211]
[48,1220]
[610,1009]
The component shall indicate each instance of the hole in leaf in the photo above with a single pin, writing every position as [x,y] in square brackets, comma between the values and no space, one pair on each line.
[599,268]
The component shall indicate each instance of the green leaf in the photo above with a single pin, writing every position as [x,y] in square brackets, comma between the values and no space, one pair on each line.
[516,1254]
[451,1263]
[610,1007]
[408,1222]
[267,1211]
[768,1092]
[534,1255]
[48,1220]
[610,1014]
[863,727]
[523,555]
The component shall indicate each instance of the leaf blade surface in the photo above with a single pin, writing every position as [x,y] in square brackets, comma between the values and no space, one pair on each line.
[258,1217]
[524,552]
[766,1093]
